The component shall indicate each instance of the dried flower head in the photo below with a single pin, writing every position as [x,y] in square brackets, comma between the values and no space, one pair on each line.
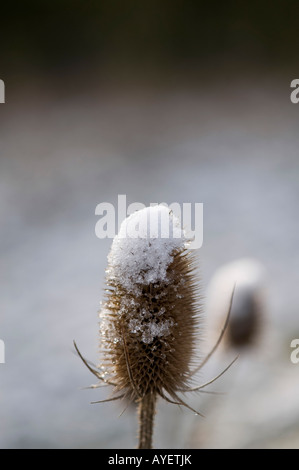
[149,320]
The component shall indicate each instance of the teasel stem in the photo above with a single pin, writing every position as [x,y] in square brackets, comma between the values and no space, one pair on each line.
[146,410]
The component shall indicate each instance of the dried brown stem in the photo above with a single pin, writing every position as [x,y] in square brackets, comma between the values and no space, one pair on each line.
[146,411]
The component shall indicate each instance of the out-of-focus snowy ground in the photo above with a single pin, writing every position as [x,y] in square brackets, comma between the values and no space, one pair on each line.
[233,147]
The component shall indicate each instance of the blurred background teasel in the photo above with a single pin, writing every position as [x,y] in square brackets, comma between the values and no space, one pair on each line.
[161,101]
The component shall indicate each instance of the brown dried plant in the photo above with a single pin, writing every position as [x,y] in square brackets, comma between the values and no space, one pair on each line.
[149,340]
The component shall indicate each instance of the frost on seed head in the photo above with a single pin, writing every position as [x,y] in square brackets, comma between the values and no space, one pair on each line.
[144,247]
[150,330]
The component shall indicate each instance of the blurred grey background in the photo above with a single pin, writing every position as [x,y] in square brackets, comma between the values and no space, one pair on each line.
[177,102]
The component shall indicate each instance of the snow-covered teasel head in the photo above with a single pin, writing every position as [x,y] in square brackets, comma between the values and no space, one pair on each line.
[151,311]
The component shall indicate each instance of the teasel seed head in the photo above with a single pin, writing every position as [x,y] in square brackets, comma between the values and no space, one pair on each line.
[150,316]
[248,307]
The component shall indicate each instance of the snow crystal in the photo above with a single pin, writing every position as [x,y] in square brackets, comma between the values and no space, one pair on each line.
[150,330]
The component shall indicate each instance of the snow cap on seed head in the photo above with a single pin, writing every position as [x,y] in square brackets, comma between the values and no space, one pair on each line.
[144,247]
